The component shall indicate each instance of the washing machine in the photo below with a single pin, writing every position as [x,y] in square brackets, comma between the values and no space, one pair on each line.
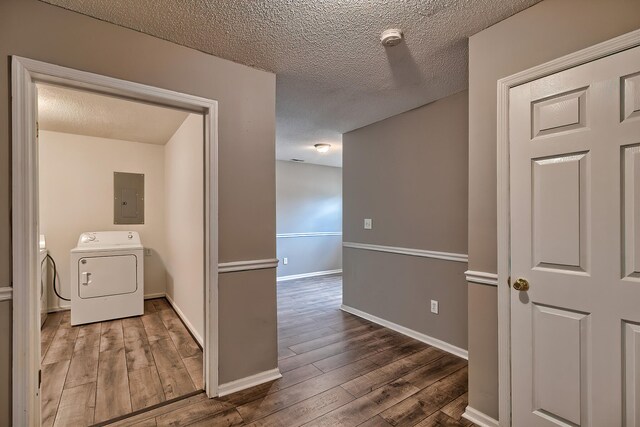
[107,276]
[44,279]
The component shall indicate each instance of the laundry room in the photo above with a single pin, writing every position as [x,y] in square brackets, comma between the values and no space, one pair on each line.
[121,220]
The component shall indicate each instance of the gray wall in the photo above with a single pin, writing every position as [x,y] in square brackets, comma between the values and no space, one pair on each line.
[408,174]
[247,182]
[546,31]
[308,199]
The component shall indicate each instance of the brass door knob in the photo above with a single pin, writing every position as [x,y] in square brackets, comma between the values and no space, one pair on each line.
[521,285]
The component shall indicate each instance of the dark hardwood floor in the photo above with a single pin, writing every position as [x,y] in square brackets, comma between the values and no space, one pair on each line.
[96,372]
[337,370]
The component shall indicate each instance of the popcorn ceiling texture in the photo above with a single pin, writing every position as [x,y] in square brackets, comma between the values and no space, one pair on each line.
[85,113]
[333,75]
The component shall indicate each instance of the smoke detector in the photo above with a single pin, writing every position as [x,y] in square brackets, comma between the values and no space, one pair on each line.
[391,37]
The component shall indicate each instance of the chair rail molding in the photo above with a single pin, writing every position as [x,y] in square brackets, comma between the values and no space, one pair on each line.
[447,256]
[308,234]
[481,277]
[6,293]
[252,264]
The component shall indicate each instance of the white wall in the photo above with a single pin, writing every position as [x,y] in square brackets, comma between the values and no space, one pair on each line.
[76,195]
[308,199]
[183,159]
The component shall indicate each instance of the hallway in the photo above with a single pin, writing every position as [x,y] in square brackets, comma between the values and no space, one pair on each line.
[337,369]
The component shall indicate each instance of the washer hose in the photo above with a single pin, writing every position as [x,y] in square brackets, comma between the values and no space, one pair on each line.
[55,275]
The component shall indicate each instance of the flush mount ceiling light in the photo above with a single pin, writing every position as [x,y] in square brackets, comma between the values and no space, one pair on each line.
[322,148]
[391,37]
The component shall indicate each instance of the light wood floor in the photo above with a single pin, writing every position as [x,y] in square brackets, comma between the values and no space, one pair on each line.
[92,373]
[337,370]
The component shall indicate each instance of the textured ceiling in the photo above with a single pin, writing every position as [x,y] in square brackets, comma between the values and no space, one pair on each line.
[333,75]
[85,113]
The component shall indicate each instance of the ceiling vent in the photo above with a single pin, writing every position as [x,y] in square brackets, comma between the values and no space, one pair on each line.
[391,37]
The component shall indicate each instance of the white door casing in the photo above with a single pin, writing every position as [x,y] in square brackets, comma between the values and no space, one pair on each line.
[575,236]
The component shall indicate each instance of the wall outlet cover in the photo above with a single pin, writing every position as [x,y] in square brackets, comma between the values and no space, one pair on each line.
[368,224]
[285,260]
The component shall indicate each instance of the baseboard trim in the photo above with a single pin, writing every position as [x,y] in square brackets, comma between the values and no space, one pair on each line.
[6,293]
[479,418]
[186,322]
[254,264]
[156,295]
[481,277]
[305,275]
[447,256]
[248,382]
[59,308]
[435,342]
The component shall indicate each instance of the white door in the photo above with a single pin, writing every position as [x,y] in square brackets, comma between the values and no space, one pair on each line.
[575,238]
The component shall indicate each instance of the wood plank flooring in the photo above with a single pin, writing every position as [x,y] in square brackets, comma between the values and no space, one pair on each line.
[96,372]
[337,370]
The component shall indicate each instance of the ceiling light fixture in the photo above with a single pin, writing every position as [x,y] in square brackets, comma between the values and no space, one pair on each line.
[322,148]
[391,37]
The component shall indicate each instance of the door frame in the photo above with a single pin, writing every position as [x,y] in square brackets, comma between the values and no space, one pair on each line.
[601,50]
[25,73]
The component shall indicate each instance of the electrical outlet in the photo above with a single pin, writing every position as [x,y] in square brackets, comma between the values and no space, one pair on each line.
[368,224]
[285,260]
[147,252]
[434,306]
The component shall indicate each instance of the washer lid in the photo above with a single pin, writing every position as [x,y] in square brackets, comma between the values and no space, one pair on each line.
[108,240]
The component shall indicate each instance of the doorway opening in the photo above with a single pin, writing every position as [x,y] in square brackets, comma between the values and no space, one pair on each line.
[309,248]
[115,246]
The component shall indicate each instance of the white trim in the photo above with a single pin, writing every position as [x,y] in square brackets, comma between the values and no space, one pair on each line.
[448,256]
[26,311]
[248,382]
[479,418]
[309,234]
[601,50]
[24,206]
[305,275]
[58,308]
[156,295]
[435,342]
[6,293]
[481,277]
[184,319]
[252,264]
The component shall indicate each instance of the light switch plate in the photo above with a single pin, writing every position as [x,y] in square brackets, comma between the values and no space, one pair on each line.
[368,224]
[434,306]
